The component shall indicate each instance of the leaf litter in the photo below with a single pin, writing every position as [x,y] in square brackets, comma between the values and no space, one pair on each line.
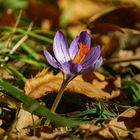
[46,82]
[111,96]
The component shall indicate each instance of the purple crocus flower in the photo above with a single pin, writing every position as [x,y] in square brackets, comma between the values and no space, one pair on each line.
[76,59]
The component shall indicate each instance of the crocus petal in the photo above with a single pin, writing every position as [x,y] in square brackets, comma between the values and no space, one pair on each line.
[51,60]
[91,57]
[70,69]
[74,47]
[98,63]
[93,66]
[85,38]
[60,47]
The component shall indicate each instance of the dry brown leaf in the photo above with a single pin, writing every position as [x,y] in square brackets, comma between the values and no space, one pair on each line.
[129,54]
[5,74]
[46,82]
[75,10]
[136,134]
[117,16]
[75,13]
[99,76]
[90,127]
[25,119]
[121,125]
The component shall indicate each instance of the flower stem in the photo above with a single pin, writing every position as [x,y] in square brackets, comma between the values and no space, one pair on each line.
[57,99]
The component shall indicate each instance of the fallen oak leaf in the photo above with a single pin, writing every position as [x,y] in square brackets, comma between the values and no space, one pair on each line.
[46,82]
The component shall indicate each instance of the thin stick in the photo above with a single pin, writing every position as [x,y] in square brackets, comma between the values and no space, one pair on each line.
[115,61]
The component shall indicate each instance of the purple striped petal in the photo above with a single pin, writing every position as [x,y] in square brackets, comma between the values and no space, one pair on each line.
[93,66]
[85,38]
[91,57]
[74,47]
[70,69]
[98,63]
[60,47]
[51,60]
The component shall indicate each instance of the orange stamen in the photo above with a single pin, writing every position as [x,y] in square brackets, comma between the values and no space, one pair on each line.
[83,49]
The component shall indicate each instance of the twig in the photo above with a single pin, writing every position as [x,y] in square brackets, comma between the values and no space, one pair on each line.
[115,61]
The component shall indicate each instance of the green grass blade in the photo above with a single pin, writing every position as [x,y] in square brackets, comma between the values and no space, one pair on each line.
[133,90]
[16,72]
[33,106]
[30,51]
[31,34]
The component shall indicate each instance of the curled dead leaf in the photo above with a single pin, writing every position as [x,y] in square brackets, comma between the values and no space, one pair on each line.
[46,82]
[122,124]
